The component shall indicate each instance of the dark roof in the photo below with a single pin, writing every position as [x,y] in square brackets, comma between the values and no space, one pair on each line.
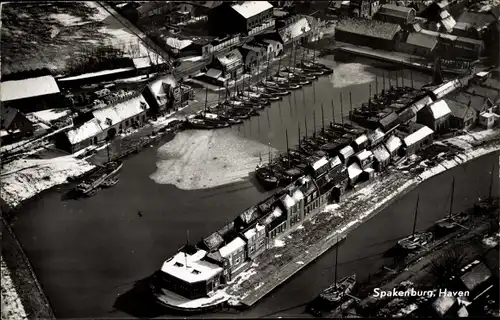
[226,230]
[470,40]
[390,121]
[213,241]
[406,114]
[370,28]
[476,276]
[7,115]
[230,57]
[249,215]
[477,19]
[479,90]
[458,109]
[422,40]
[477,102]
[395,11]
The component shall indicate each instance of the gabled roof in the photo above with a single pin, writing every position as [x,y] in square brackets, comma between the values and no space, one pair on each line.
[370,28]
[390,121]
[478,20]
[28,88]
[483,91]
[249,9]
[393,143]
[295,30]
[250,215]
[120,111]
[230,57]
[418,135]
[395,11]
[477,102]
[422,40]
[458,109]
[213,241]
[7,115]
[381,154]
[231,247]
[476,276]
[439,109]
[86,131]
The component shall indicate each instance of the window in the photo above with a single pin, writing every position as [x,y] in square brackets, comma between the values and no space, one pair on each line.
[237,260]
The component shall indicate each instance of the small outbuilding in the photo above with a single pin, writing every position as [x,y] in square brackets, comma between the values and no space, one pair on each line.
[382,158]
[418,140]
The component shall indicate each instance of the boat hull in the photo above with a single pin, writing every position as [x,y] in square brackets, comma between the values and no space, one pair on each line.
[416,241]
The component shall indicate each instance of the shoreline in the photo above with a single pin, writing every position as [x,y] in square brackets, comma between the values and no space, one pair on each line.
[331,240]
[267,272]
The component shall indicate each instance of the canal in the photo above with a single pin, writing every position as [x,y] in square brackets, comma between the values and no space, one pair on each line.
[89,252]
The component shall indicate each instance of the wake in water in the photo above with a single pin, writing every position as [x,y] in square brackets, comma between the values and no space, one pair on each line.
[348,74]
[198,159]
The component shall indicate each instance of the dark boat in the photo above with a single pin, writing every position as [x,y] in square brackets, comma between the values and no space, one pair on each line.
[415,240]
[333,295]
[452,220]
[96,180]
[339,290]
[266,177]
[206,124]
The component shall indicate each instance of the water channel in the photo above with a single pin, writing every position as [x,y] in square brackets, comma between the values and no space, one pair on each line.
[88,252]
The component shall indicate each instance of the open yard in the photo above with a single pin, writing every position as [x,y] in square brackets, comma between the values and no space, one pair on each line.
[54,35]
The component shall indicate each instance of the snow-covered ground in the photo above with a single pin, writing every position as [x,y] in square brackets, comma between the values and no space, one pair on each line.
[12,308]
[24,178]
[199,159]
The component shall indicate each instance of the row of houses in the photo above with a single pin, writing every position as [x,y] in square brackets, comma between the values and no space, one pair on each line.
[220,257]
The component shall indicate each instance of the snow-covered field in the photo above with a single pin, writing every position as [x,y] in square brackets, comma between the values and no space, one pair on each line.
[24,178]
[199,159]
[12,308]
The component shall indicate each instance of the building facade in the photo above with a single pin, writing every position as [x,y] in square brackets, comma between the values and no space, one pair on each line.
[435,116]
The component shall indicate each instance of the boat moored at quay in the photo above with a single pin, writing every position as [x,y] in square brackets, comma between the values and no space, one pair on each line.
[323,178]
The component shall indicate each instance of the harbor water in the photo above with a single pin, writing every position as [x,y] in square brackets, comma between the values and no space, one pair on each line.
[88,253]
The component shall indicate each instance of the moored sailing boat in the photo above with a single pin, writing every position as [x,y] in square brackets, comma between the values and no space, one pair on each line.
[452,220]
[100,178]
[334,294]
[415,240]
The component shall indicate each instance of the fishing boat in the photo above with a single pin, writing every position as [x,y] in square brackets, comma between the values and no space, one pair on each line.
[334,294]
[206,124]
[266,177]
[109,183]
[279,92]
[293,86]
[452,220]
[415,240]
[96,180]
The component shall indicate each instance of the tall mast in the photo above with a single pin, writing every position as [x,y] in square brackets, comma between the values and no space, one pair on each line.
[370,92]
[415,218]
[287,147]
[322,118]
[333,112]
[305,125]
[383,80]
[490,194]
[452,194]
[350,104]
[267,68]
[341,109]
[269,144]
[298,126]
[206,99]
[336,260]
[303,55]
[314,123]
[411,78]
[376,85]
[279,64]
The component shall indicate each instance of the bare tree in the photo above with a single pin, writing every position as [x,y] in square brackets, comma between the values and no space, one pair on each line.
[447,265]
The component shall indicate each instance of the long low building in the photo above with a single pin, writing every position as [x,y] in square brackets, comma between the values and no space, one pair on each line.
[370,33]
[105,124]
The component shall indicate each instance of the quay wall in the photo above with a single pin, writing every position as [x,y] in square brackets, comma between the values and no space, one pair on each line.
[401,186]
